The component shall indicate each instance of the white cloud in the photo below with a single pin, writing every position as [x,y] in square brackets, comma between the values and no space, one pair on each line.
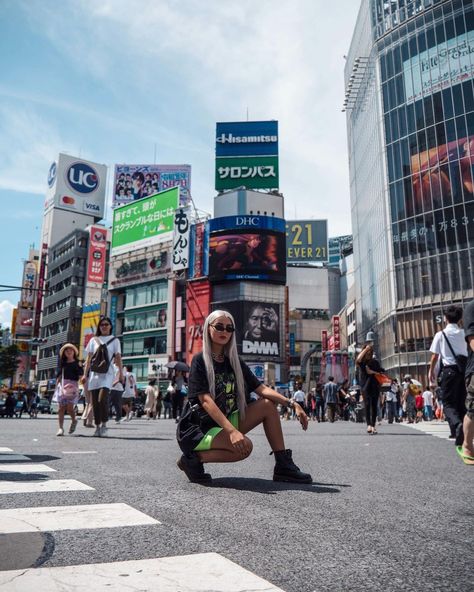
[6,308]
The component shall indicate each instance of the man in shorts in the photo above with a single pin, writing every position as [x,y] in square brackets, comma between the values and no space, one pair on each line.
[129,393]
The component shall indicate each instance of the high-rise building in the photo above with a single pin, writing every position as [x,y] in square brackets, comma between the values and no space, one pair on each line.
[410,118]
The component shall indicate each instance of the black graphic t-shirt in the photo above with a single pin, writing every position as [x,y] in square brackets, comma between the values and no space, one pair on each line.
[226,398]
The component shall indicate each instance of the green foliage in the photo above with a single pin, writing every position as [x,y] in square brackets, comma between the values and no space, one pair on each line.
[8,361]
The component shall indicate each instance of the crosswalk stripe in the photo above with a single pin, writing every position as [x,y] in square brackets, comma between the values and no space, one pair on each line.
[79,451]
[48,519]
[440,430]
[25,468]
[186,573]
[3,449]
[10,487]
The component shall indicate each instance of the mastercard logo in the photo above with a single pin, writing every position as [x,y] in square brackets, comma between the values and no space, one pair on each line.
[70,201]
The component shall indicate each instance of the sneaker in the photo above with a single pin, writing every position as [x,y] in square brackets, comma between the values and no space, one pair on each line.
[97,433]
[285,469]
[72,427]
[123,420]
[103,431]
[60,432]
[193,468]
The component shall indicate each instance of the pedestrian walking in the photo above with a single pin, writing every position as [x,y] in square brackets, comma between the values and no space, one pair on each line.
[410,390]
[167,407]
[300,398]
[319,402]
[391,401]
[116,394]
[88,413]
[130,392]
[331,398]
[102,351]
[220,412]
[180,392]
[69,373]
[449,345]
[368,367]
[466,449]
[151,393]
[427,404]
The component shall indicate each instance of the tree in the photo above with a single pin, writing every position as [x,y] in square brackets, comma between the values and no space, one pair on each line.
[8,361]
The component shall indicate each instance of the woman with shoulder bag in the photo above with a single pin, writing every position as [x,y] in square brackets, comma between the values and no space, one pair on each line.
[370,388]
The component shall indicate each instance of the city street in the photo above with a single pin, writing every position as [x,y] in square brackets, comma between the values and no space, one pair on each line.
[385,512]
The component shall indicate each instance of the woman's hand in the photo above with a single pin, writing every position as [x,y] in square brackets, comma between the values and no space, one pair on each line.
[301,415]
[239,443]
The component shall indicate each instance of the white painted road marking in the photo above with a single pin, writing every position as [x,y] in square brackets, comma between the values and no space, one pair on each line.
[440,430]
[187,573]
[79,451]
[25,468]
[48,519]
[9,487]
[3,449]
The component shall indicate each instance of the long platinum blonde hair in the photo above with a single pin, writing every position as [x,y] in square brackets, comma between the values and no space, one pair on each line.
[230,350]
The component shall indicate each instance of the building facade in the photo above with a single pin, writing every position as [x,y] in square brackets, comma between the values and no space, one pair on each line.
[410,120]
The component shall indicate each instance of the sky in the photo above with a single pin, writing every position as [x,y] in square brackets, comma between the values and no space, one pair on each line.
[120,82]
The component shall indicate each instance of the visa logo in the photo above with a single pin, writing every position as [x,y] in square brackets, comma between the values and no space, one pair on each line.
[91,207]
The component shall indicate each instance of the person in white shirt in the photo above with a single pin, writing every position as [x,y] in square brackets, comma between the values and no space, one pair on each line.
[116,395]
[100,383]
[428,404]
[299,397]
[130,392]
[391,401]
[446,345]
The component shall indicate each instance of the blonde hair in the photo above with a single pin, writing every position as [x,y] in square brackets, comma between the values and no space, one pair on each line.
[230,350]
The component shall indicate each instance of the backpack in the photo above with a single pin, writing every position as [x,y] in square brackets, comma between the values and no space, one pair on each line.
[100,362]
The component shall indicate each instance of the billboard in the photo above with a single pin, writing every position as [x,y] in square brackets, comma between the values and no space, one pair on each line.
[247,256]
[251,172]
[96,256]
[89,322]
[76,185]
[250,222]
[199,250]
[439,67]
[27,298]
[134,181]
[181,239]
[198,298]
[257,328]
[307,241]
[247,155]
[247,138]
[138,268]
[145,222]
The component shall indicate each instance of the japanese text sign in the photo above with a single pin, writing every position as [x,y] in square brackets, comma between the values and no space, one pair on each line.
[181,239]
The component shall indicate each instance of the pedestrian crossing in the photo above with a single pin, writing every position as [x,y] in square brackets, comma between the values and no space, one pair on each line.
[439,429]
[199,572]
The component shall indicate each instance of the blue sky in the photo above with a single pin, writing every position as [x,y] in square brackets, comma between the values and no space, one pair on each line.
[112,81]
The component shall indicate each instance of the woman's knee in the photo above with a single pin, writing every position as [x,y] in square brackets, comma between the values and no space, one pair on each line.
[249,447]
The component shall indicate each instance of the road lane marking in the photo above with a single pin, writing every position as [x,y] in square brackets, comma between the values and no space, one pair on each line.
[188,573]
[25,468]
[3,449]
[10,487]
[439,430]
[79,451]
[48,519]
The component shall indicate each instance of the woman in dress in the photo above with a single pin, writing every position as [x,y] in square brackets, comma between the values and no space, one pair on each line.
[219,389]
[100,383]
[69,373]
[151,393]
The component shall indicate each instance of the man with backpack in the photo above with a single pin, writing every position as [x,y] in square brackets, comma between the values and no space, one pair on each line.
[450,349]
[103,351]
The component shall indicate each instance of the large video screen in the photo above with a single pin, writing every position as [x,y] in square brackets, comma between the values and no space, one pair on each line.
[247,256]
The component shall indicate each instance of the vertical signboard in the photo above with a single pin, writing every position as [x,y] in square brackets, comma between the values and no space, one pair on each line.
[336,332]
[324,340]
[90,320]
[181,239]
[39,294]
[198,299]
[27,298]
[96,256]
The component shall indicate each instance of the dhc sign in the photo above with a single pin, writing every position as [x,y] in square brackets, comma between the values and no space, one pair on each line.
[82,178]
[248,221]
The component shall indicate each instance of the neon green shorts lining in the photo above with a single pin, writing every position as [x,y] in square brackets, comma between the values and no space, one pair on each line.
[206,442]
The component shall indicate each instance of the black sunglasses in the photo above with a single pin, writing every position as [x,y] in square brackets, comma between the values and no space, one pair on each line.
[220,327]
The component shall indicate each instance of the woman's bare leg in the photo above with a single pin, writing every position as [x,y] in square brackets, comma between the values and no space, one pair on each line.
[61,412]
[262,411]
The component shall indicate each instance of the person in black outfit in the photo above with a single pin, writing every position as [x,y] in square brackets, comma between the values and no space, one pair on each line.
[220,412]
[368,367]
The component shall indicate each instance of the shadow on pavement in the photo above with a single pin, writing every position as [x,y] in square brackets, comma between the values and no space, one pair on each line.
[271,487]
[23,477]
[125,438]
[41,457]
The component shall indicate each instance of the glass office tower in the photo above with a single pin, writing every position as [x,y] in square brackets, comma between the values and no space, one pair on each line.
[410,119]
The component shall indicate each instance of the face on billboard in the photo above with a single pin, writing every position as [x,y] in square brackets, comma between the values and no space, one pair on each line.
[252,256]
[257,326]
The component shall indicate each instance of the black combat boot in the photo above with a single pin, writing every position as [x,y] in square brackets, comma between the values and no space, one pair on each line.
[193,468]
[286,470]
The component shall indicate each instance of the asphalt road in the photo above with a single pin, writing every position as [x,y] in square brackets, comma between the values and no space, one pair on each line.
[386,512]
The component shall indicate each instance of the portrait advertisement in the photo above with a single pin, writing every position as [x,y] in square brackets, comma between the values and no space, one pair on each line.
[257,327]
[247,256]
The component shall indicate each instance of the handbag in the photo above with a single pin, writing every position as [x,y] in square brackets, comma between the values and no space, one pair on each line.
[461,359]
[188,430]
[58,391]
[383,380]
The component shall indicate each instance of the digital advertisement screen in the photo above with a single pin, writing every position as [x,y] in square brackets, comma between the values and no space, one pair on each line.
[247,256]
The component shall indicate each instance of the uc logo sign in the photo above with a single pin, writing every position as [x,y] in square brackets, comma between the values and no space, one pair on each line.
[82,178]
[52,174]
